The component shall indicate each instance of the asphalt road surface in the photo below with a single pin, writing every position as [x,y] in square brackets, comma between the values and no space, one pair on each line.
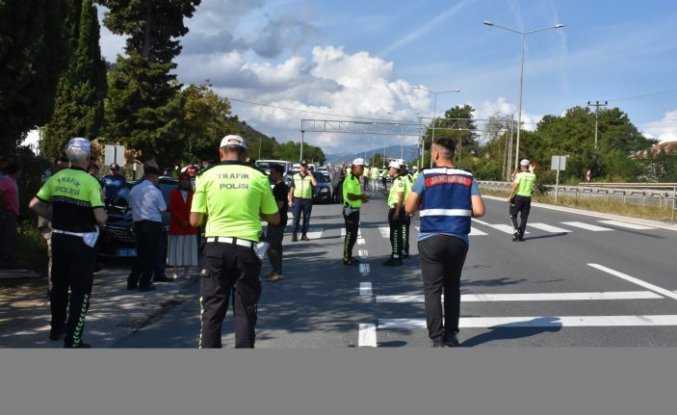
[576,281]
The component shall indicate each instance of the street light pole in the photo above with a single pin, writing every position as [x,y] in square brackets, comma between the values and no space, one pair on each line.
[301,153]
[435,93]
[523,36]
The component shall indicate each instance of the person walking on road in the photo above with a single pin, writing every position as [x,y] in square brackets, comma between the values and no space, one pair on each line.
[182,240]
[301,200]
[230,200]
[447,198]
[352,202]
[73,200]
[395,213]
[275,233]
[520,198]
[148,206]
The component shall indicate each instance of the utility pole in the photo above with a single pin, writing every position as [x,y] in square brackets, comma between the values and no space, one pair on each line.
[596,104]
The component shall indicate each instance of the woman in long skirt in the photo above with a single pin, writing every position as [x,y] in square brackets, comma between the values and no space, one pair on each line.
[182,249]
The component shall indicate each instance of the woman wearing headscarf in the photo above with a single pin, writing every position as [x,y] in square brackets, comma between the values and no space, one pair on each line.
[182,249]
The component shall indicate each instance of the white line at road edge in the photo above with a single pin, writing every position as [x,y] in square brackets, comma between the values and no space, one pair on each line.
[649,286]
[580,296]
[539,321]
[367,335]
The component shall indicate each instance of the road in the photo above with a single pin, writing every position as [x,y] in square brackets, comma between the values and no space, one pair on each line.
[577,280]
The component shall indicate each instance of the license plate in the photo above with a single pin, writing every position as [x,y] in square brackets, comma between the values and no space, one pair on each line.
[126,251]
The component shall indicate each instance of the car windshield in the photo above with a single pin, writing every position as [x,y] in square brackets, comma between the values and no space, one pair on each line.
[121,199]
[321,178]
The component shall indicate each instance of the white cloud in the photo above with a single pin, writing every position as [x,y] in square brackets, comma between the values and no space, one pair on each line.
[503,107]
[664,129]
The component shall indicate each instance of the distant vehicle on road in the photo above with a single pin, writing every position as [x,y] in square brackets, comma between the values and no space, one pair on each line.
[322,192]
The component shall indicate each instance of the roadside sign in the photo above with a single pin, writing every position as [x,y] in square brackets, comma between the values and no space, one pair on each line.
[559,163]
[114,154]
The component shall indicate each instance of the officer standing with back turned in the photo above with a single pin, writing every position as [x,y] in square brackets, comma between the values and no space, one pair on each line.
[231,198]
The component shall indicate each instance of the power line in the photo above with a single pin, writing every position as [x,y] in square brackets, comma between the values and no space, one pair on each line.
[659,94]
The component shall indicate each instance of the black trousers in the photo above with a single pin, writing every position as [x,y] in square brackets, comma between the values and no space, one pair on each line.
[232,270]
[274,238]
[396,229]
[406,222]
[148,243]
[522,205]
[8,237]
[442,258]
[302,207]
[352,222]
[73,265]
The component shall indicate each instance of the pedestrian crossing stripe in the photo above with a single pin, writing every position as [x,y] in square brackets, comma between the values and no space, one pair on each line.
[576,296]
[473,232]
[343,233]
[548,228]
[587,226]
[626,225]
[538,321]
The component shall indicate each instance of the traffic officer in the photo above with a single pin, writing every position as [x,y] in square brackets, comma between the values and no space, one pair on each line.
[520,198]
[73,200]
[408,181]
[301,200]
[374,177]
[352,202]
[395,213]
[448,197]
[231,198]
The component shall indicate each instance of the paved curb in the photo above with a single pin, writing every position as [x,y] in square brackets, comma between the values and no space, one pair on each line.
[114,312]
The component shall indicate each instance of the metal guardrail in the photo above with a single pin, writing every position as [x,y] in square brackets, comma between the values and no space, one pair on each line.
[665,197]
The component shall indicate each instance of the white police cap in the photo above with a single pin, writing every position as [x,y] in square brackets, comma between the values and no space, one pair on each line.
[233,141]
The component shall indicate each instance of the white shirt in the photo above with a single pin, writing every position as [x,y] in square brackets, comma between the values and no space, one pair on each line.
[146,202]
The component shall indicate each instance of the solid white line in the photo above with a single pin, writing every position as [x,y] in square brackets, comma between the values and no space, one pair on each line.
[476,298]
[587,226]
[649,286]
[625,225]
[548,228]
[365,289]
[539,321]
[367,335]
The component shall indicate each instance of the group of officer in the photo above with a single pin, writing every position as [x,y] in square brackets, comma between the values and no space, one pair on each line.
[230,201]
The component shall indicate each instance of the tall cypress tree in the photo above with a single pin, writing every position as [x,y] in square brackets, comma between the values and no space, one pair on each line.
[143,107]
[32,58]
[79,104]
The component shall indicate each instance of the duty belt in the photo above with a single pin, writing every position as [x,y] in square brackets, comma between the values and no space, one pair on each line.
[235,241]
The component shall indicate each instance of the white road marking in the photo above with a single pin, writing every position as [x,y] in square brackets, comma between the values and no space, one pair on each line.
[473,231]
[548,228]
[343,233]
[364,269]
[587,226]
[365,289]
[367,335]
[363,253]
[649,286]
[626,225]
[503,228]
[385,231]
[315,233]
[361,241]
[582,296]
[539,321]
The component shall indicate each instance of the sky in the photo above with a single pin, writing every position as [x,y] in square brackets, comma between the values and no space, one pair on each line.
[281,61]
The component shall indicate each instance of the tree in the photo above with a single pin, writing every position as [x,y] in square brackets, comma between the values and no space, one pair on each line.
[143,108]
[32,58]
[291,150]
[78,110]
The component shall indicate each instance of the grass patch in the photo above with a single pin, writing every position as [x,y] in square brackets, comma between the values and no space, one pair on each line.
[614,207]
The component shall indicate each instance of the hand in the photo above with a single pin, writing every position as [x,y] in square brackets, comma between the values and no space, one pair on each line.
[396,216]
[291,203]
[364,197]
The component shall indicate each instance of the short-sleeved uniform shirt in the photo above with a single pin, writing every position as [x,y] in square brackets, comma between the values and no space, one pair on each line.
[419,188]
[232,195]
[147,202]
[399,186]
[352,185]
[73,194]
[526,182]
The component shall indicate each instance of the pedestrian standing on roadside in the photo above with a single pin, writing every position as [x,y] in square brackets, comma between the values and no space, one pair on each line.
[301,200]
[231,199]
[44,225]
[73,200]
[182,239]
[275,233]
[447,198]
[352,202]
[147,205]
[9,214]
[395,214]
[520,199]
